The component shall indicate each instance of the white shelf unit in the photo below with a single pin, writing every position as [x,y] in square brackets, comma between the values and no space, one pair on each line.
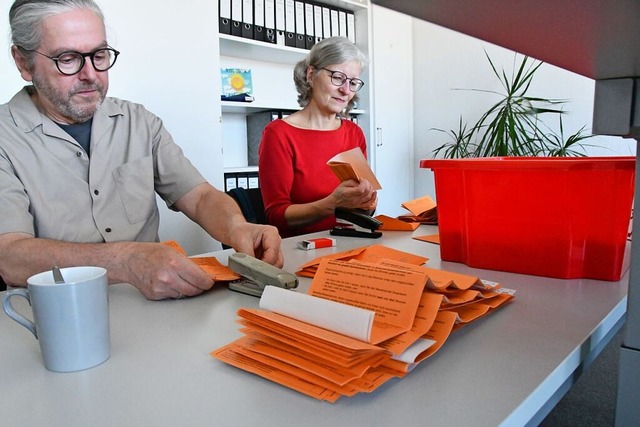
[272,77]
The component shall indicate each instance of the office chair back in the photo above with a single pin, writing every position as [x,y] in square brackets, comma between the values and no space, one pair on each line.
[250,202]
[251,205]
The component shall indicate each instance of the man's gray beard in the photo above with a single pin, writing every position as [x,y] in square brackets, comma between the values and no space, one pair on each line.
[79,114]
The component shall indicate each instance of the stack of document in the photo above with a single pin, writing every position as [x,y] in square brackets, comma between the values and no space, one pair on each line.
[422,210]
[361,324]
[371,254]
[352,164]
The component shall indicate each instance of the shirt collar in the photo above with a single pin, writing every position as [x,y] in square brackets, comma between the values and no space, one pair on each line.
[26,115]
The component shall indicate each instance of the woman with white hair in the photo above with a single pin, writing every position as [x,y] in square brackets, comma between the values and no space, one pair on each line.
[300,192]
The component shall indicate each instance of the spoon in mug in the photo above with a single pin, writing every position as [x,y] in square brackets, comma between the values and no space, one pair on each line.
[57,275]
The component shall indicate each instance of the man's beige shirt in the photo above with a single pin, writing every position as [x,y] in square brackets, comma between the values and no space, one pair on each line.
[50,188]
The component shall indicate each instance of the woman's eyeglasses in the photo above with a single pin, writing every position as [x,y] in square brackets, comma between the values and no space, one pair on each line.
[338,78]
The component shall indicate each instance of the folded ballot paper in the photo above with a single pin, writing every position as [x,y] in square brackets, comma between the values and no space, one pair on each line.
[361,324]
[352,164]
[371,253]
[214,268]
[422,210]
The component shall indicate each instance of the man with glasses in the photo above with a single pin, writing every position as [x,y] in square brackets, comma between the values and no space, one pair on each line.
[299,190]
[79,171]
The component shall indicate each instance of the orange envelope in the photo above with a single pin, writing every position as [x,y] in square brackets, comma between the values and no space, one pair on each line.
[376,253]
[215,270]
[431,238]
[419,205]
[368,286]
[440,331]
[211,266]
[228,354]
[175,245]
[373,253]
[394,224]
[352,164]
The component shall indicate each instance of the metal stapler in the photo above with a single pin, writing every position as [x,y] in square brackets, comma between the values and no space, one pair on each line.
[257,274]
[359,219]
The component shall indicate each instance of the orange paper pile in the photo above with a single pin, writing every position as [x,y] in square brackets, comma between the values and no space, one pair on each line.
[361,324]
[372,254]
[422,210]
[352,164]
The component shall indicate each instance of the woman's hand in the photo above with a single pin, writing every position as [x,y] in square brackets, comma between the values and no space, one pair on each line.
[353,195]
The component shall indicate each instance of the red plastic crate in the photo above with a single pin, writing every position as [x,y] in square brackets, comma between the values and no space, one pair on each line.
[543,216]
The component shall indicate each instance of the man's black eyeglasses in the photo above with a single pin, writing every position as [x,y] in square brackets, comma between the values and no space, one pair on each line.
[70,63]
[338,78]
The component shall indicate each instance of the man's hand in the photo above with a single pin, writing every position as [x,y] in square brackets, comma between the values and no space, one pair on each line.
[220,216]
[260,241]
[160,272]
[156,270]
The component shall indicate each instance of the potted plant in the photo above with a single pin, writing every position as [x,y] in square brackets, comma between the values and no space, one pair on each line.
[512,125]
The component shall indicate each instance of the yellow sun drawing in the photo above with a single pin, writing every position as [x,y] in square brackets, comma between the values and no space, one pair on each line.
[236,81]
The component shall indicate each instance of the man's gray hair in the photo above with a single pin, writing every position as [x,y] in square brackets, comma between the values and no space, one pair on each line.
[26,16]
[332,50]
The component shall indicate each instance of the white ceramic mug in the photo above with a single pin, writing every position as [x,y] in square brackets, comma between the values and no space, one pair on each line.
[70,320]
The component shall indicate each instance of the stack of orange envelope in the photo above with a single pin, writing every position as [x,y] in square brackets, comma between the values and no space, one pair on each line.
[362,323]
[423,210]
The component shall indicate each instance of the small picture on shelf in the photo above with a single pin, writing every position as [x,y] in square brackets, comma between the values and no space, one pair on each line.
[236,85]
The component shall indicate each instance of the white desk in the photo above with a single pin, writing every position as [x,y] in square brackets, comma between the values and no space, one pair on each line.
[500,370]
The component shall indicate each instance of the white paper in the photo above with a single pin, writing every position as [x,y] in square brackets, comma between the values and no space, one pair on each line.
[344,319]
[414,350]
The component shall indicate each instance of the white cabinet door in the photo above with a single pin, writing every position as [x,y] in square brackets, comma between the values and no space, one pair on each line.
[392,141]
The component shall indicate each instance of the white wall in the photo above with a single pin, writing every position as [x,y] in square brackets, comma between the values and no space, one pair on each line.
[445,60]
[168,63]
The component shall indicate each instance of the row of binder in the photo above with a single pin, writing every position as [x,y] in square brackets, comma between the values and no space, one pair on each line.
[240,179]
[291,23]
